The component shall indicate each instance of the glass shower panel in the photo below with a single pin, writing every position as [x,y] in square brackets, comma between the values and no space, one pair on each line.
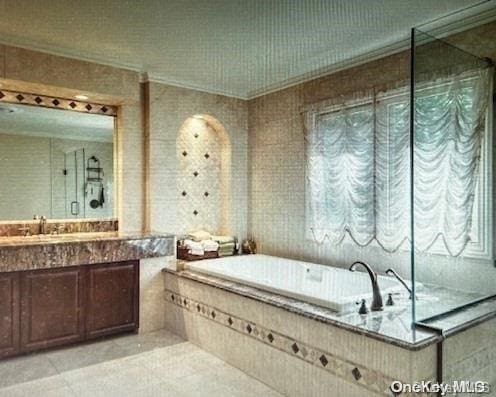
[452,177]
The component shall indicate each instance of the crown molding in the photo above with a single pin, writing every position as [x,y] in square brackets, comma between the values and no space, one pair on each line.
[33,45]
[337,67]
[212,91]
[441,27]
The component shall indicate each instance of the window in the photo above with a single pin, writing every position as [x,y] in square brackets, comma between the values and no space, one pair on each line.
[358,169]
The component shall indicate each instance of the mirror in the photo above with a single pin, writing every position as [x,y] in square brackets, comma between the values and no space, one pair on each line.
[56,163]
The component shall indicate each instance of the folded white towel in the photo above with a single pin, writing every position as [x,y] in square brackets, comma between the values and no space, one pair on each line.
[210,245]
[223,239]
[194,248]
[199,235]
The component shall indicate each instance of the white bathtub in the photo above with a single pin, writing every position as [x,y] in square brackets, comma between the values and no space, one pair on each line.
[334,288]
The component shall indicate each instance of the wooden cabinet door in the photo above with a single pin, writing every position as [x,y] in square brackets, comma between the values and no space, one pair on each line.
[9,314]
[51,308]
[113,298]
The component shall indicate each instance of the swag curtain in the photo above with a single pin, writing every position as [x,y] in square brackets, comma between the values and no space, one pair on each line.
[358,165]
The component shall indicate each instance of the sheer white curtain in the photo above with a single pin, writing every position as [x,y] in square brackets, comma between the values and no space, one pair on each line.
[358,165]
[340,164]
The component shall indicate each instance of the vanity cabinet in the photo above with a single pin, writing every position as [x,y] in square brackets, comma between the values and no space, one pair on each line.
[45,308]
[52,308]
[112,304]
[9,314]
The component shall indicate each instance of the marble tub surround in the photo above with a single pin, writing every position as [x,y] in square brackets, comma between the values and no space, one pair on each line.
[296,355]
[392,325]
[39,252]
[60,226]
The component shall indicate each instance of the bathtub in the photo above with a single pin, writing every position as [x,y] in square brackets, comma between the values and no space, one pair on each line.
[334,288]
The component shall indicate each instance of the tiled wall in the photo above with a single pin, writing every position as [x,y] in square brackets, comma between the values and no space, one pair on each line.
[170,107]
[277,177]
[198,150]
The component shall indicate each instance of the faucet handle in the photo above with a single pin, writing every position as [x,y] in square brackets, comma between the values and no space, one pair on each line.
[363,307]
[390,301]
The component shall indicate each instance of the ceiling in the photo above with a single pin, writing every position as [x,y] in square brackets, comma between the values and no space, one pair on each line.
[240,48]
[55,123]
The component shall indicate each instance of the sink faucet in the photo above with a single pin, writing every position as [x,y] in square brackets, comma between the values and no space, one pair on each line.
[43,222]
[377,297]
[391,272]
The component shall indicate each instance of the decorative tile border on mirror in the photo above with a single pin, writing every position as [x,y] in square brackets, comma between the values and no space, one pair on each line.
[20,228]
[56,103]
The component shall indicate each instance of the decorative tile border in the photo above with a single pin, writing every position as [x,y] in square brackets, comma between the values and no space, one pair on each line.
[349,371]
[56,103]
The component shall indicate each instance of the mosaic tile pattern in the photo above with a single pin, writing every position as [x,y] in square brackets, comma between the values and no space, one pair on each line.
[351,372]
[56,103]
[199,152]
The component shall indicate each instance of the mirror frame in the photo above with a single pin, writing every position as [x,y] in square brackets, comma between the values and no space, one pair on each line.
[52,102]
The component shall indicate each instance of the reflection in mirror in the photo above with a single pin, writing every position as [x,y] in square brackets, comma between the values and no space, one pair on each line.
[55,163]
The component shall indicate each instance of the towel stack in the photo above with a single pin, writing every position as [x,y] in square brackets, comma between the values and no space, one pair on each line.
[227,245]
[200,247]
[201,241]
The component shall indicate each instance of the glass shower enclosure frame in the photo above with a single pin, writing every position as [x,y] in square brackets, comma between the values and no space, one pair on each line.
[451,178]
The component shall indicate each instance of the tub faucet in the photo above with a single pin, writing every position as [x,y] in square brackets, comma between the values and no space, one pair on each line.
[391,272]
[377,297]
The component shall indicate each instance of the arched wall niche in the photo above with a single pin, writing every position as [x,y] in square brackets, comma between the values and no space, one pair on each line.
[203,151]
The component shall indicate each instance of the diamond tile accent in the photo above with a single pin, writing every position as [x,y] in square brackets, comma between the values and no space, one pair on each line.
[195,212]
[185,153]
[206,194]
[196,135]
[371,380]
[196,173]
[207,156]
[184,193]
[53,102]
[356,373]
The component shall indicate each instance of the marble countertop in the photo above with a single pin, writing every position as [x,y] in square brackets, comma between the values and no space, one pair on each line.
[48,239]
[392,325]
[74,249]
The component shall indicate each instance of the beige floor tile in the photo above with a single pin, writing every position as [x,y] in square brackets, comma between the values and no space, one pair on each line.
[25,369]
[156,364]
